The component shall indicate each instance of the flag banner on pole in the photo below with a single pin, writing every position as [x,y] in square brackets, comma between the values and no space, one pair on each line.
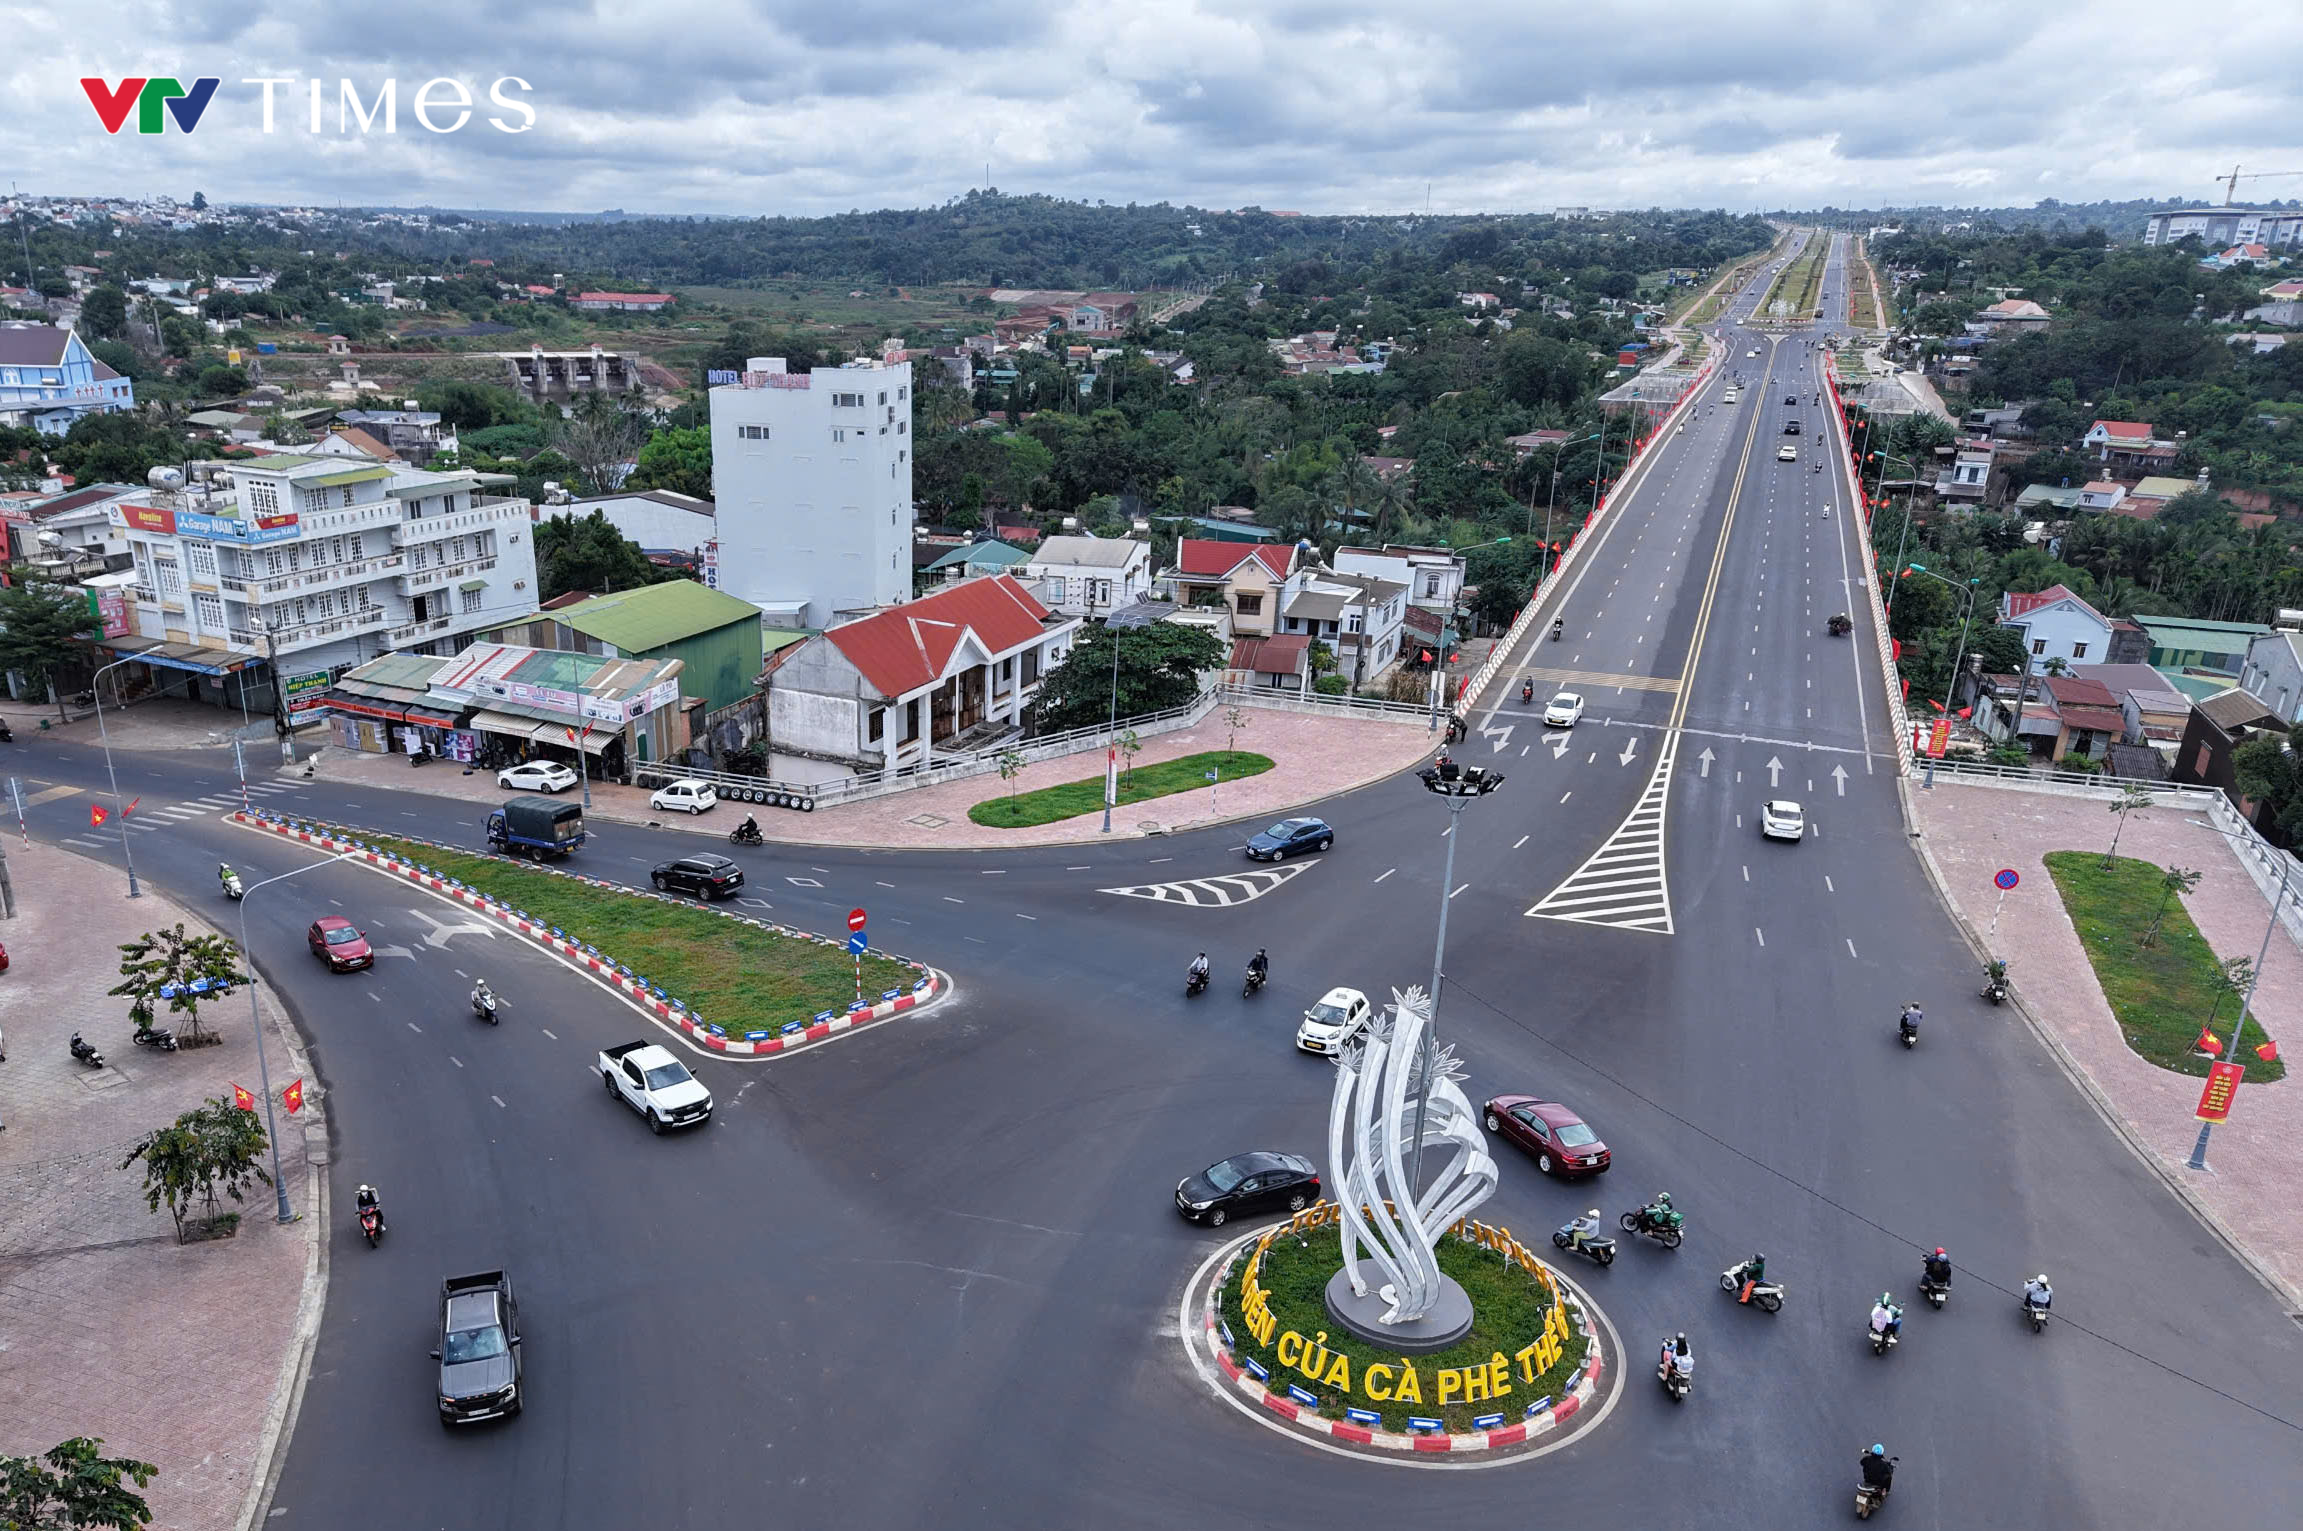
[2268,1052]
[293,1096]
[243,1099]
[131,808]
[96,815]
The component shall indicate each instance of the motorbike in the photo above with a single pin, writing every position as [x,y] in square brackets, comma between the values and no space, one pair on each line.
[1675,1382]
[233,889]
[746,834]
[484,1006]
[372,1224]
[1526,692]
[7,734]
[1882,1340]
[1600,1248]
[1995,983]
[1765,1295]
[1841,625]
[1556,628]
[2035,1311]
[1255,978]
[1907,1028]
[1665,1231]
[1195,983]
[1936,1292]
[158,1038]
[85,1053]
[1868,1498]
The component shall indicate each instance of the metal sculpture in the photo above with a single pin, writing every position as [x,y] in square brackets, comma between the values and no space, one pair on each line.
[1370,1125]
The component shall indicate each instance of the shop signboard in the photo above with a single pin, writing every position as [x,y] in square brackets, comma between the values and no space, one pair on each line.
[306,694]
[261,529]
[110,608]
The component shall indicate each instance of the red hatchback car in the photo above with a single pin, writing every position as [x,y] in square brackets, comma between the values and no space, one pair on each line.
[1562,1142]
[338,942]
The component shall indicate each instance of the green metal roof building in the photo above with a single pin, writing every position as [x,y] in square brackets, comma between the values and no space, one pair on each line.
[714,634]
[2186,643]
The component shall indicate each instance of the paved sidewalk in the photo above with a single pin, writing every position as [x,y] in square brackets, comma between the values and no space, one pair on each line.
[149,723]
[1313,758]
[177,1355]
[2257,1156]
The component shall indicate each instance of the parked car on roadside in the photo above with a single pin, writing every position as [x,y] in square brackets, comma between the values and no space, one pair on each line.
[683,796]
[537,776]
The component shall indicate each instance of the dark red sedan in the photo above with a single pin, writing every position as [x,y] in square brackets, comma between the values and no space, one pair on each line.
[338,942]
[1562,1142]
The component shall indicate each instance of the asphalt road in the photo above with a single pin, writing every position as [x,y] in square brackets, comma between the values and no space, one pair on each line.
[928,1274]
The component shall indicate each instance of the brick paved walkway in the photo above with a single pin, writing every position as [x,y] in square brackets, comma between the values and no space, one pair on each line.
[1313,758]
[2256,1157]
[173,1354]
[152,723]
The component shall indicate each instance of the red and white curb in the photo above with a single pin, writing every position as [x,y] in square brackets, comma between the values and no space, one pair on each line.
[1538,1421]
[605,969]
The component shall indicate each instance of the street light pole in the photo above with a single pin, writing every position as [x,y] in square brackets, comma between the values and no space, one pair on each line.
[2198,1159]
[1966,610]
[256,1016]
[96,690]
[1111,726]
[1552,498]
[1459,785]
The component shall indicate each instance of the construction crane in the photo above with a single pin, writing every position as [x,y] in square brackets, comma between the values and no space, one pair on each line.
[2230,183]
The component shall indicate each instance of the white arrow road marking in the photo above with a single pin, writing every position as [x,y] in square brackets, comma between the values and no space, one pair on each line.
[1839,779]
[1706,757]
[441,929]
[1499,736]
[1774,771]
[1558,743]
[1630,748]
[394,951]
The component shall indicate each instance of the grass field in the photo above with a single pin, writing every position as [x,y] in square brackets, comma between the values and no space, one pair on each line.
[2161,994]
[1798,286]
[879,310]
[737,975]
[1070,799]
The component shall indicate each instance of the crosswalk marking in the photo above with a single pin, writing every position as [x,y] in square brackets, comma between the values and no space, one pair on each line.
[1623,883]
[1215,892]
[1593,680]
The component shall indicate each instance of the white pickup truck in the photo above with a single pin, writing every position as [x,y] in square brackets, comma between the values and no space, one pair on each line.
[655,1084]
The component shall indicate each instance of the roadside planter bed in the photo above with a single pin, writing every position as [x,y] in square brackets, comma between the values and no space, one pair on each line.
[1163,778]
[1519,1372]
[735,984]
[2161,994]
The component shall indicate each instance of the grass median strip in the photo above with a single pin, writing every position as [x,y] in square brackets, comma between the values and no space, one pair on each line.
[740,976]
[2161,994]
[1068,800]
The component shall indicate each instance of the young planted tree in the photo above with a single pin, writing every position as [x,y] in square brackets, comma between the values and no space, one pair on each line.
[1235,718]
[180,971]
[70,1487]
[211,1148]
[2131,797]
[2234,976]
[1130,746]
[2175,880]
[1011,764]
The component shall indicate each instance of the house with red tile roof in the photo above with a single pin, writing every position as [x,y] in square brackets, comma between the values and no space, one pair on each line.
[1250,581]
[1271,664]
[2129,444]
[951,673]
[2056,624]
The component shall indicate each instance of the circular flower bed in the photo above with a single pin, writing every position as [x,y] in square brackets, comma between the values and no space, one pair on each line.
[1524,1346]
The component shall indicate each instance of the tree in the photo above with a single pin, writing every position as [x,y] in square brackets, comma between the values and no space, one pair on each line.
[2234,976]
[2263,768]
[213,1147]
[1160,666]
[42,626]
[1011,764]
[1235,718]
[600,439]
[2132,796]
[185,971]
[104,314]
[2171,882]
[588,553]
[680,461]
[71,1487]
[473,405]
[1130,745]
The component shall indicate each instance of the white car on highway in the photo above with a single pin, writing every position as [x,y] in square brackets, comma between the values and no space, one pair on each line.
[1787,453]
[1563,710]
[537,776]
[1782,819]
[1340,1015]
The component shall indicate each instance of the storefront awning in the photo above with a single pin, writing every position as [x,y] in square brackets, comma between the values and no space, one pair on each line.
[178,656]
[553,734]
[370,707]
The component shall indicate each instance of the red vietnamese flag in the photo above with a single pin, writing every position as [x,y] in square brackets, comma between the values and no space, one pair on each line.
[2208,1042]
[96,815]
[293,1096]
[131,808]
[243,1099]
[2268,1052]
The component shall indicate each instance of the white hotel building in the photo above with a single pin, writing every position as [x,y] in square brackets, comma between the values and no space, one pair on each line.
[315,561]
[812,479]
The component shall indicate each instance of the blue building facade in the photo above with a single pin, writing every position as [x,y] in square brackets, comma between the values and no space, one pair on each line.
[48,379]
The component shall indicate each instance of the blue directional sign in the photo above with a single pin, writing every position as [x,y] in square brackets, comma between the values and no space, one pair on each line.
[856,944]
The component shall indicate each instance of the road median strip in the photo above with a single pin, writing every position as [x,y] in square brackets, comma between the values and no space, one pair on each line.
[697,964]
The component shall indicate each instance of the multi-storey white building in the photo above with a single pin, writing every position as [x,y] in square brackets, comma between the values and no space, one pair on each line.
[812,479]
[317,564]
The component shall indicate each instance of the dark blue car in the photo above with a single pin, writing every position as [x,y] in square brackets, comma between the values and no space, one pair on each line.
[1289,836]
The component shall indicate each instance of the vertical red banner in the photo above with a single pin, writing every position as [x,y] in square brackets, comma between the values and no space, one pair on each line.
[2222,1085]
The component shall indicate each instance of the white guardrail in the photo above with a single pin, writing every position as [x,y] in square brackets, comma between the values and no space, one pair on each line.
[1899,716]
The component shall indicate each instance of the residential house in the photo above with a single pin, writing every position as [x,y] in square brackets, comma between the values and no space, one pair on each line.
[1999,423]
[671,528]
[2273,669]
[2049,500]
[621,302]
[2155,711]
[1389,468]
[1272,664]
[2218,726]
[992,556]
[2102,495]
[1089,576]
[1433,576]
[2128,444]
[73,532]
[2287,291]
[1247,581]
[350,442]
[2012,316]
[1968,478]
[414,435]
[954,670]
[2055,624]
[48,379]
[2189,644]
[715,636]
[527,703]
[2238,254]
[1478,300]
[1529,443]
[1100,313]
[2058,715]
[232,425]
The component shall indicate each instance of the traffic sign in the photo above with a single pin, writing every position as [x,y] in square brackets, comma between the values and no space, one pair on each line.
[2006,879]
[856,943]
[855,919]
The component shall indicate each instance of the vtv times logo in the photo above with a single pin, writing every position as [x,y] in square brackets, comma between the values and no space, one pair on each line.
[442,105]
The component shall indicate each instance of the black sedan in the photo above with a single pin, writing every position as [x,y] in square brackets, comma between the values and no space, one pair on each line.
[1245,1184]
[1289,836]
[707,876]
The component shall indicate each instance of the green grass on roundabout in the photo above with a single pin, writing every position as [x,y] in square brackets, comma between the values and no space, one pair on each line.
[1164,778]
[1510,1307]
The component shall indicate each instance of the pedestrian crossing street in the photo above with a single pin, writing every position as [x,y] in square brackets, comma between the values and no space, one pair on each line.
[151,818]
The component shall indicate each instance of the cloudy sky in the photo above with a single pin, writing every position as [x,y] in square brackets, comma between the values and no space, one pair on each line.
[750,106]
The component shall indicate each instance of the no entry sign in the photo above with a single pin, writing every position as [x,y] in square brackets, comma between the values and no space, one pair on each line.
[855,919]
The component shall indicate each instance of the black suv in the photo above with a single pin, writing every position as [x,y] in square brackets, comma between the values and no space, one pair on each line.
[707,876]
[479,1352]
[1791,427]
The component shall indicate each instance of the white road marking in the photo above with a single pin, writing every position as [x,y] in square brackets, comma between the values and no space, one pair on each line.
[418,1030]
[1035,919]
[1522,840]
[1387,874]
[547,1031]
[499,1100]
[1459,890]
[1755,930]
[452,1058]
